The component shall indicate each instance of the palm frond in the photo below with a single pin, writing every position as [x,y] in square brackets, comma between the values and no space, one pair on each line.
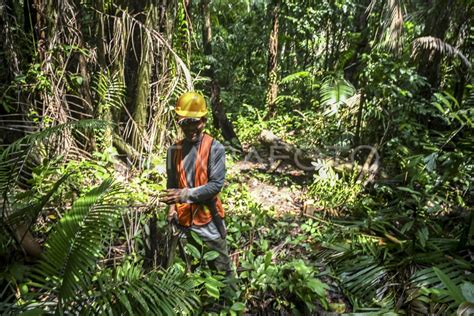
[391,29]
[129,290]
[295,76]
[335,92]
[110,91]
[281,99]
[434,44]
[367,281]
[437,288]
[450,108]
[76,243]
[17,155]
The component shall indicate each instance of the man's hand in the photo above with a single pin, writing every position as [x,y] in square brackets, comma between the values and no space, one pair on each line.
[172,196]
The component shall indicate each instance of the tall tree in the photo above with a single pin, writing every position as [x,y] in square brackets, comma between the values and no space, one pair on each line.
[220,119]
[272,66]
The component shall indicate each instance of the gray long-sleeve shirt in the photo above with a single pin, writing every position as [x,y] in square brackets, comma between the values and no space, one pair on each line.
[216,175]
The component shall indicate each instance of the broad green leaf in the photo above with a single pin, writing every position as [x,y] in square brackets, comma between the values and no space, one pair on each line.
[430,161]
[212,290]
[268,259]
[33,312]
[193,251]
[454,290]
[211,255]
[317,286]
[408,190]
[440,108]
[196,238]
[238,306]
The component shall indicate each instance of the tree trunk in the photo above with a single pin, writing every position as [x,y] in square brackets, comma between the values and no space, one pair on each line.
[220,119]
[436,25]
[7,45]
[137,74]
[272,74]
[353,66]
[85,87]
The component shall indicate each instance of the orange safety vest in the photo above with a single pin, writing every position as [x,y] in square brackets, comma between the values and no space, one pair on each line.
[191,213]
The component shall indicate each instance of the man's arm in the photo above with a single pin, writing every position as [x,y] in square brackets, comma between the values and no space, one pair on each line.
[216,175]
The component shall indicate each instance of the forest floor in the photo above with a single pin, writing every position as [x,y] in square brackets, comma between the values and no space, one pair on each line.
[272,188]
[281,188]
[272,183]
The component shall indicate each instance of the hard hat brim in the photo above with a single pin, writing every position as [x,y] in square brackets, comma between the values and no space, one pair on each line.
[193,114]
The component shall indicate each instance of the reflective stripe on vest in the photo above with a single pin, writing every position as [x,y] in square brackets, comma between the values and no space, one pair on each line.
[191,213]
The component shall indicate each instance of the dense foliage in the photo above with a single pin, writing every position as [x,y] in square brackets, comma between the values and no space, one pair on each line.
[377,95]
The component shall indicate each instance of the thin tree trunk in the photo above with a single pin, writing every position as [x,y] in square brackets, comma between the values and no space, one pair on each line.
[220,119]
[85,87]
[140,113]
[7,44]
[357,137]
[272,66]
[352,67]
[187,45]
[332,34]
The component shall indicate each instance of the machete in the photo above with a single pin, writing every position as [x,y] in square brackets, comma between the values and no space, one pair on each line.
[211,204]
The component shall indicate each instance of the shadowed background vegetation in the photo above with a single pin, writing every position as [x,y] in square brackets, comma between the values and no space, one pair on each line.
[377,97]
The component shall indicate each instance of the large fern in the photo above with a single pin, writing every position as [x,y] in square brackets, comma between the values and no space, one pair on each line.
[390,272]
[128,290]
[76,243]
[70,279]
[16,164]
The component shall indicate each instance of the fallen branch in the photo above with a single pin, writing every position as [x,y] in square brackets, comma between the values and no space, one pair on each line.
[283,151]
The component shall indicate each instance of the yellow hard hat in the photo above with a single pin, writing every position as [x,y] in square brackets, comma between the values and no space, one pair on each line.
[191,104]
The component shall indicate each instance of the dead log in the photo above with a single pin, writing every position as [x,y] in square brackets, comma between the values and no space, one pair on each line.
[283,151]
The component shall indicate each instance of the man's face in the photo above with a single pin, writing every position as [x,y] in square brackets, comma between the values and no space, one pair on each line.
[192,128]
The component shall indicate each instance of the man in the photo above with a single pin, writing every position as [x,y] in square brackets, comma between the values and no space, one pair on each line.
[196,170]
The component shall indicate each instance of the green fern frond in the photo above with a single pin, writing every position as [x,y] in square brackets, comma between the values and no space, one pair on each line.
[110,91]
[129,291]
[47,133]
[335,92]
[281,99]
[76,243]
[295,76]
